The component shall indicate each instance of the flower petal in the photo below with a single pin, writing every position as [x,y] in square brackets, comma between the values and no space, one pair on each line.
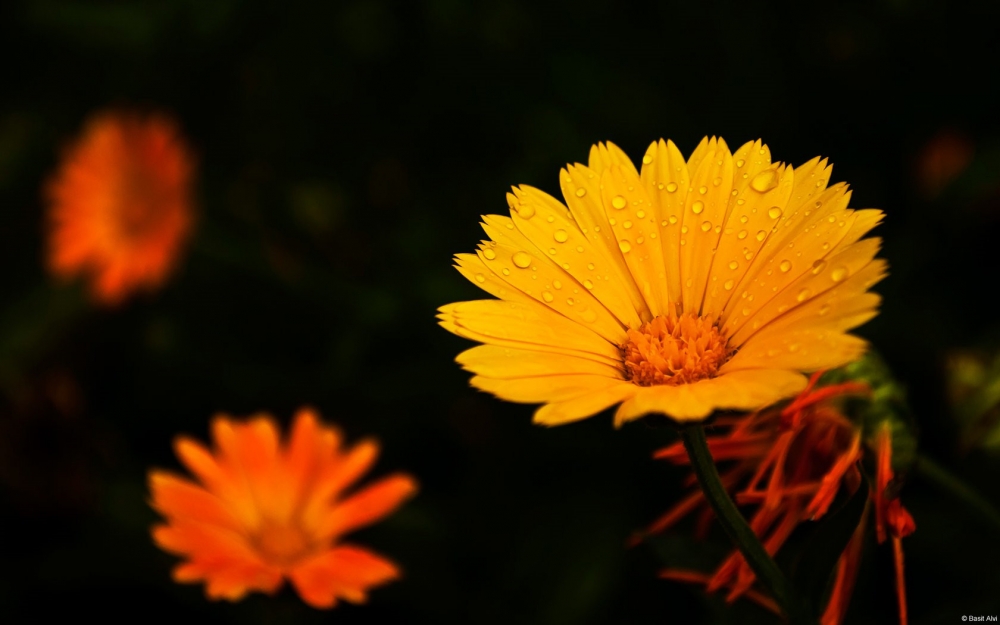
[503,362]
[667,180]
[542,389]
[367,506]
[341,573]
[584,405]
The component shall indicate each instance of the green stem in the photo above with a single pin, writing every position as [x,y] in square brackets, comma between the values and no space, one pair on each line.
[736,526]
[954,485]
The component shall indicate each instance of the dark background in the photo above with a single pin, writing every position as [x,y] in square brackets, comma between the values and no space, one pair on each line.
[346,151]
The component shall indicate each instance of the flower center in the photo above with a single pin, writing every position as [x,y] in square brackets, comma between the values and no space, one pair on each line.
[674,351]
[282,544]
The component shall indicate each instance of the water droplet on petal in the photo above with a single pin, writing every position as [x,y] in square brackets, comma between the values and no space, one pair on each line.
[588,284]
[521,259]
[547,296]
[646,160]
[570,301]
[579,249]
[560,236]
[489,254]
[804,295]
[580,192]
[589,315]
[774,212]
[640,214]
[706,226]
[671,187]
[625,246]
[506,271]
[785,266]
[818,266]
[761,235]
[626,224]
[740,163]
[480,278]
[825,309]
[673,219]
[839,273]
[697,207]
[618,202]
[717,182]
[527,211]
[764,181]
[728,285]
[557,284]
[703,190]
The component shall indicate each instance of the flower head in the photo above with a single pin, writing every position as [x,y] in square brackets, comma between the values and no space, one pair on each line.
[261,512]
[681,288]
[789,463]
[120,204]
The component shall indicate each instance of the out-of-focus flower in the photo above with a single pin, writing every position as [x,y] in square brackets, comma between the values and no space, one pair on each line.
[789,463]
[120,205]
[941,160]
[686,287]
[262,512]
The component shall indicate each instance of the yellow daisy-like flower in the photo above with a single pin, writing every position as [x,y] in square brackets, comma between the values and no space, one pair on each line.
[683,288]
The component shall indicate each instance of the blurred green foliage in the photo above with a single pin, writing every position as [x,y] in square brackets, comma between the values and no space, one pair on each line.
[345,151]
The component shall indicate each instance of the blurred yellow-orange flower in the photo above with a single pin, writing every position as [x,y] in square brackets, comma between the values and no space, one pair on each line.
[261,512]
[120,206]
[680,288]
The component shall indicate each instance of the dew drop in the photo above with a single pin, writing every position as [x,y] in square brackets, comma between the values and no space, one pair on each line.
[760,235]
[489,254]
[673,219]
[547,296]
[671,187]
[746,311]
[640,241]
[588,315]
[552,251]
[740,163]
[646,160]
[742,235]
[764,181]
[706,226]
[774,212]
[785,266]
[570,301]
[560,236]
[626,224]
[521,259]
[506,271]
[581,191]
[838,273]
[728,285]
[579,249]
[527,211]
[818,266]
[740,202]
[744,219]
[640,214]
[703,190]
[684,229]
[480,278]
[697,207]
[557,284]
[590,266]
[717,182]
[618,202]
[825,309]
[625,246]
[588,284]
[804,295]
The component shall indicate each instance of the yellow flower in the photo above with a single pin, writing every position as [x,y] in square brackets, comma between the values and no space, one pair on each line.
[685,288]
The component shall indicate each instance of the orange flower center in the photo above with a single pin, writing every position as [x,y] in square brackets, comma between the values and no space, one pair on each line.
[674,351]
[142,205]
[282,543]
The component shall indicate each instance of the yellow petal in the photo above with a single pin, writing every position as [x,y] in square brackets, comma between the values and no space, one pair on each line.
[585,405]
[474,268]
[812,283]
[747,229]
[524,326]
[604,155]
[749,389]
[665,176]
[582,190]
[632,218]
[523,266]
[542,389]
[493,361]
[550,227]
[703,220]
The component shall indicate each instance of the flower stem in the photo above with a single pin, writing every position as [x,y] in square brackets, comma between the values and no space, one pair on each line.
[736,526]
[947,481]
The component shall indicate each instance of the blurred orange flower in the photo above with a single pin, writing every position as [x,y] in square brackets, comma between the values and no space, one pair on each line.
[791,463]
[120,206]
[264,512]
